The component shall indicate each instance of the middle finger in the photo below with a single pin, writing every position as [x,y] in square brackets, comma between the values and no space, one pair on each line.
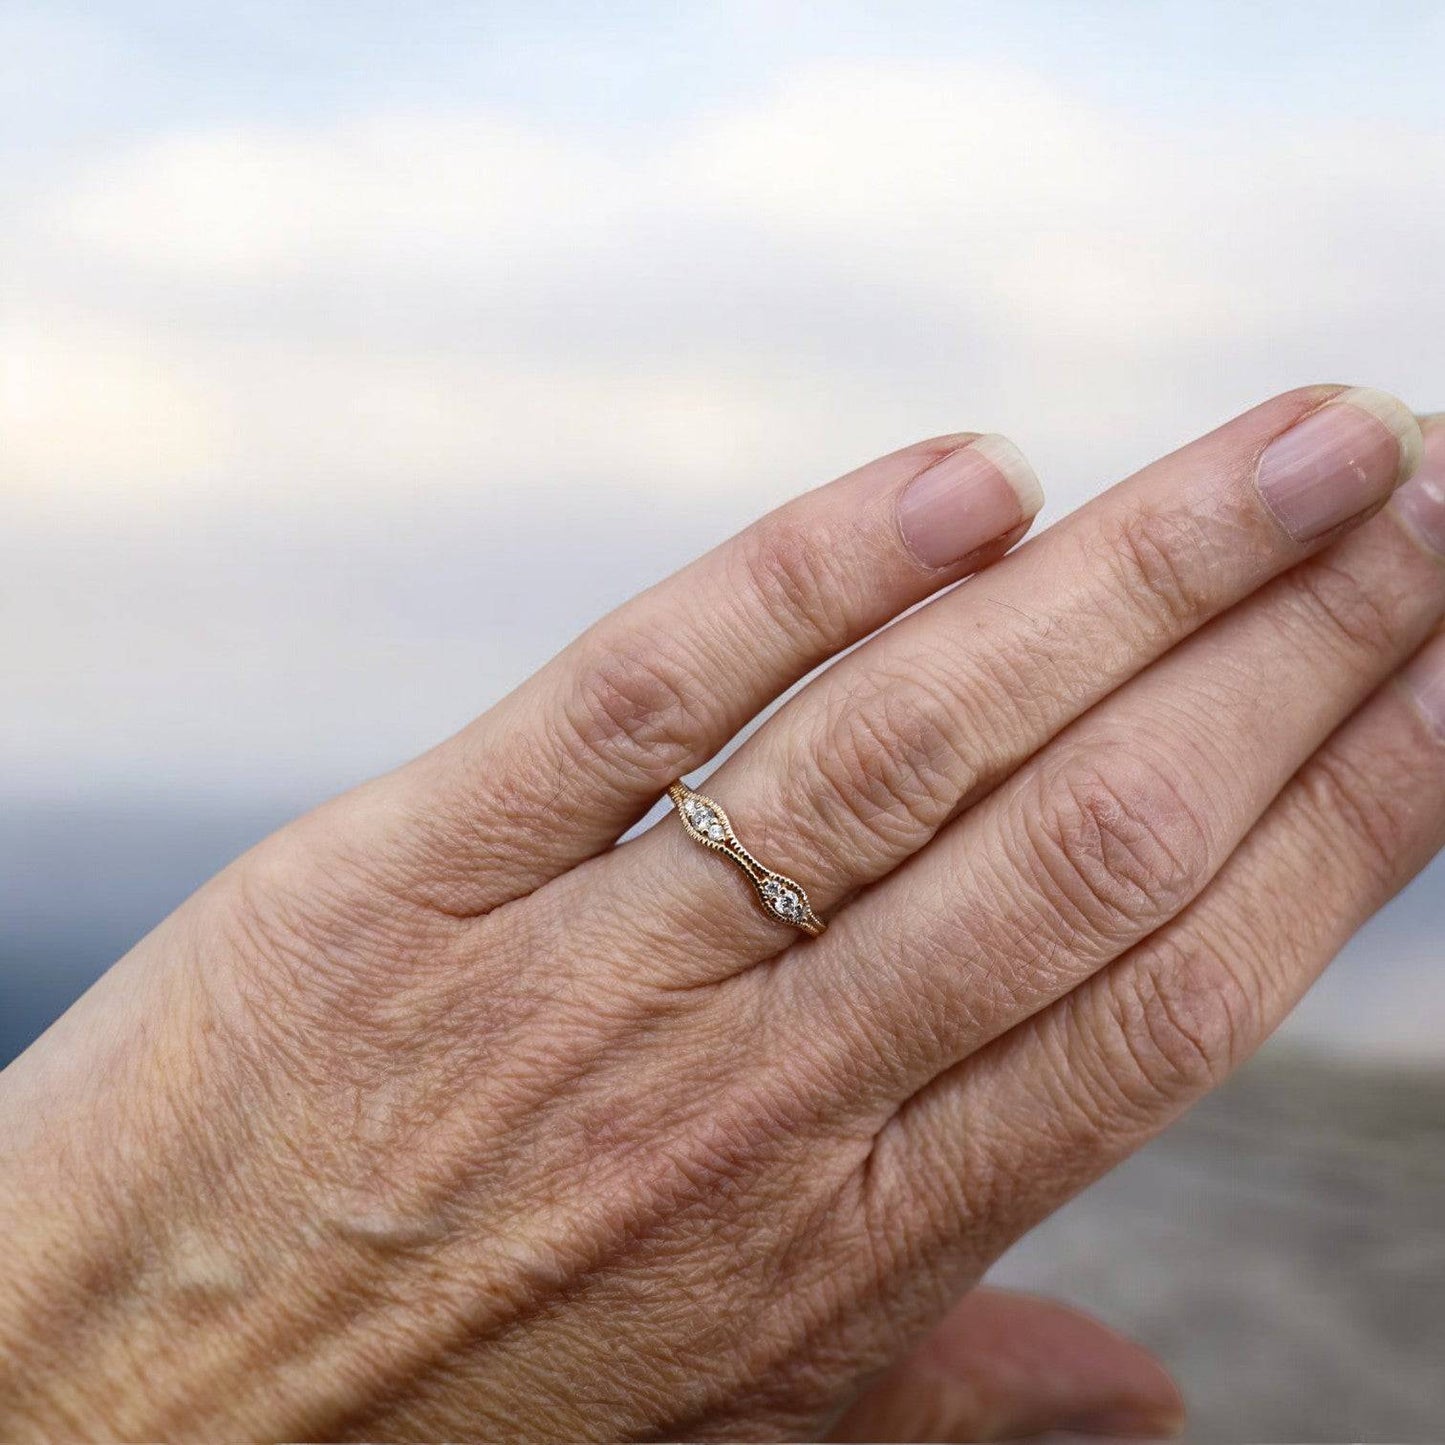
[1116,827]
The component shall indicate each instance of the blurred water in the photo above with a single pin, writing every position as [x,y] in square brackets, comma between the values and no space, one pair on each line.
[80,883]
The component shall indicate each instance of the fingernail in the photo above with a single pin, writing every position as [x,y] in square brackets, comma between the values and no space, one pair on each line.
[966,499]
[1421,501]
[1130,1424]
[1338,462]
[1424,684]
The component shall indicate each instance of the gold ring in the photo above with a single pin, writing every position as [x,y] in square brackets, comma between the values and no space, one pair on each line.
[780,896]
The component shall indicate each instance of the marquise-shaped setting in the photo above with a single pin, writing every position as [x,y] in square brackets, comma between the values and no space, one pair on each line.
[781,897]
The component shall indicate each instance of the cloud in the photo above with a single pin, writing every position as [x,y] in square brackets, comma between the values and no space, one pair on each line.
[867,252]
[331,334]
[461,312]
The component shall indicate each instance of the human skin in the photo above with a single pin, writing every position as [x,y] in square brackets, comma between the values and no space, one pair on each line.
[442,1114]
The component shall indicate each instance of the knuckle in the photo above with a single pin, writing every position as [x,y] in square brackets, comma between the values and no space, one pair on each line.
[636,705]
[791,571]
[1339,604]
[890,758]
[320,939]
[1360,814]
[1182,1017]
[1155,563]
[1118,847]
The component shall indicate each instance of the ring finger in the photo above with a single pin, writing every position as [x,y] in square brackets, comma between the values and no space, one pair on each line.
[859,770]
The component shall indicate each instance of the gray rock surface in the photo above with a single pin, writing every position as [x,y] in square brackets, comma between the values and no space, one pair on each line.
[1282,1248]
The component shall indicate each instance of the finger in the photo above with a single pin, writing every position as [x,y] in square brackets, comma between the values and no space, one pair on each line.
[564,765]
[1011,1133]
[861,768]
[1113,829]
[1002,1365]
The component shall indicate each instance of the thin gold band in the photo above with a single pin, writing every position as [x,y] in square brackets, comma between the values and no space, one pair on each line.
[781,897]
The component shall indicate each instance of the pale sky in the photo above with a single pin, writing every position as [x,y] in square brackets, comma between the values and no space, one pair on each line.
[355,355]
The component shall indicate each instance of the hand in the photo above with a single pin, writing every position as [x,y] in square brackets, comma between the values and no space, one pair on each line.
[1002,1366]
[441,1114]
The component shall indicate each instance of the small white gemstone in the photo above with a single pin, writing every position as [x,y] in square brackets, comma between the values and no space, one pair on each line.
[716,832]
[782,900]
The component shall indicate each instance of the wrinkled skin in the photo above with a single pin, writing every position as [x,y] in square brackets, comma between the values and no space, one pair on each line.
[442,1114]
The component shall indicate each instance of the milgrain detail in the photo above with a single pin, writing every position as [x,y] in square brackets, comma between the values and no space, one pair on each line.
[781,897]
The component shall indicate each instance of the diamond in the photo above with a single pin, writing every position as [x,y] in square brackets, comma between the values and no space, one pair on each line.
[783,900]
[704,819]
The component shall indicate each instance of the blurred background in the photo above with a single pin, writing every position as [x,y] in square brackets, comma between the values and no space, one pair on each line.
[353,357]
